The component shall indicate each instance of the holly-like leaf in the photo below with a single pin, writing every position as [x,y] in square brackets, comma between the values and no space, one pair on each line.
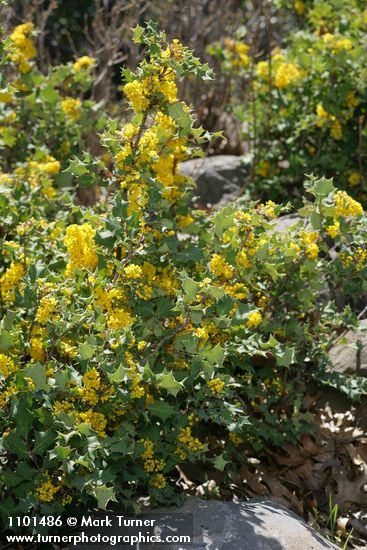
[220,462]
[86,351]
[103,495]
[119,375]
[162,410]
[286,358]
[190,288]
[38,374]
[42,441]
[167,381]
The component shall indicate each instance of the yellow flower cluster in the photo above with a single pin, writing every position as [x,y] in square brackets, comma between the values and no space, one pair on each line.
[235,439]
[151,464]
[268,209]
[193,443]
[46,492]
[141,93]
[10,280]
[352,100]
[94,390]
[6,97]
[238,52]
[7,366]
[158,481]
[286,74]
[309,239]
[165,122]
[216,386]
[71,107]
[345,259]
[135,93]
[242,260]
[96,420]
[238,290]
[133,271]
[333,230]
[83,62]
[263,69]
[346,206]
[336,130]
[92,383]
[37,348]
[81,248]
[137,390]
[354,179]
[49,166]
[118,317]
[254,319]
[220,267]
[336,44]
[22,46]
[299,7]
[312,251]
[360,256]
[46,309]
[6,394]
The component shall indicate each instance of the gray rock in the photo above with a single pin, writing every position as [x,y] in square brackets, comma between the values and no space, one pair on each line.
[218,525]
[218,178]
[286,222]
[347,358]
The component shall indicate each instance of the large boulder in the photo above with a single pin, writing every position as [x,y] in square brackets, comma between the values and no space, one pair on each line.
[218,178]
[218,525]
[351,357]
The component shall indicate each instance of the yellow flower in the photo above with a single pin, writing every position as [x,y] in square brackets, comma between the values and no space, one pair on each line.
[336,130]
[343,44]
[263,168]
[220,267]
[136,94]
[235,439]
[10,280]
[158,481]
[312,251]
[355,178]
[352,100]
[83,62]
[71,107]
[79,241]
[346,206]
[21,48]
[52,166]
[299,7]
[216,385]
[97,421]
[285,74]
[46,492]
[333,230]
[133,271]
[269,209]
[254,319]
[37,350]
[6,97]
[242,260]
[263,69]
[185,436]
[7,366]
[46,309]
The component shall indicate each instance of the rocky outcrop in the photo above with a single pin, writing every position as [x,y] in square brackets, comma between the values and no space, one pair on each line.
[218,178]
[219,525]
[351,357]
